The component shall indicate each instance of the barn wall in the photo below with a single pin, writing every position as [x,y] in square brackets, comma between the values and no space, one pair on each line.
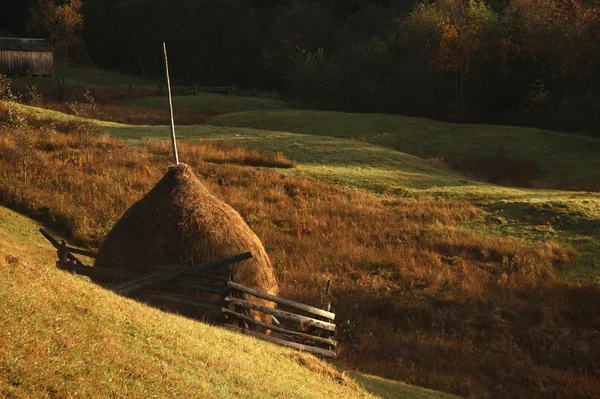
[23,63]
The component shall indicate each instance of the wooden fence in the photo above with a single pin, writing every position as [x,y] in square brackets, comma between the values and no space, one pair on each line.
[293,324]
[212,89]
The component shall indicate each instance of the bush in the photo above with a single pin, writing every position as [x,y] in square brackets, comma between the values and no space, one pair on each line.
[33,97]
[6,92]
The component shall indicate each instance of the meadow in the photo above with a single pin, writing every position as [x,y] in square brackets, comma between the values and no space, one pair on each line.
[435,282]
[565,161]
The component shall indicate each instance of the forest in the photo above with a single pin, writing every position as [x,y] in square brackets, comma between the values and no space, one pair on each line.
[519,62]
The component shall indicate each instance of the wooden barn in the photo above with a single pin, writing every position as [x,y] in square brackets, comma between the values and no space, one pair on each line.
[26,57]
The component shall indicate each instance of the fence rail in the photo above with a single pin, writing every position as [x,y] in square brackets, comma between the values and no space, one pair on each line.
[211,89]
[305,328]
[282,301]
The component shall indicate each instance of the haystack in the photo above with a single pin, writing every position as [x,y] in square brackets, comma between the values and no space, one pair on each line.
[179,219]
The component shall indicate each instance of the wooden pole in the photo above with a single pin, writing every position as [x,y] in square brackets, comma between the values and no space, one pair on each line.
[176,157]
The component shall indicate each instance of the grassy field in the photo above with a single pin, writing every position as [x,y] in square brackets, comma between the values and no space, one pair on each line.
[210,101]
[64,337]
[91,78]
[564,159]
[455,278]
[533,214]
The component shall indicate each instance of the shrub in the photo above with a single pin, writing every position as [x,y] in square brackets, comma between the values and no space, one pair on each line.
[33,97]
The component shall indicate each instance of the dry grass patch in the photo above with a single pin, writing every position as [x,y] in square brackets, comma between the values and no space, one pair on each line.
[136,115]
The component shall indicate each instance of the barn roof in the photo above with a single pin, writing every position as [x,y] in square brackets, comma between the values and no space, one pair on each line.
[24,44]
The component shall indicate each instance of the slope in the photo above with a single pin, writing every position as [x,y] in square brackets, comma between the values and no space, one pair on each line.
[564,159]
[210,101]
[536,215]
[65,337]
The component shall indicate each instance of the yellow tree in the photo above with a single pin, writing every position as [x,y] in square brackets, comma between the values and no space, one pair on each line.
[61,21]
[463,28]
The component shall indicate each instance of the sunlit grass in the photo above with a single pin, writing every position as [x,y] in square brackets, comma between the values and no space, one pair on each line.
[65,337]
[566,160]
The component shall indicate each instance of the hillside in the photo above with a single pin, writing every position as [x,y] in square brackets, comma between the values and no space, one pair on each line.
[565,160]
[63,336]
[534,214]
[460,287]
[210,101]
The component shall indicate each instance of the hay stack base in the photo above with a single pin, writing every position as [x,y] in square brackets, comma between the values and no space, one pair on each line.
[179,219]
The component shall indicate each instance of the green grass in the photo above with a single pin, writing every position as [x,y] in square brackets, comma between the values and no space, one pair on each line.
[346,162]
[572,219]
[564,159]
[79,74]
[387,389]
[211,101]
[63,336]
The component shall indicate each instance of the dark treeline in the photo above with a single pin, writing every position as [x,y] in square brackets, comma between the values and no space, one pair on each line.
[533,62]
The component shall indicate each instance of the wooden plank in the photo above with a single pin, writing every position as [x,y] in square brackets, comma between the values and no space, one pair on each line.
[123,274]
[82,252]
[208,288]
[280,329]
[294,345]
[212,276]
[282,301]
[307,321]
[165,275]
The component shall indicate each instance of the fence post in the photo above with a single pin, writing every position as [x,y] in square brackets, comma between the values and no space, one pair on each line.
[327,290]
[63,253]
[328,308]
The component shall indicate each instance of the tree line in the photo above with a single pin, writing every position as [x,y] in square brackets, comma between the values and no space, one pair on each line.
[533,62]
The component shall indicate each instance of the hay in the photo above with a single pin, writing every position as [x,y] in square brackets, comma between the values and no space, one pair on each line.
[179,220]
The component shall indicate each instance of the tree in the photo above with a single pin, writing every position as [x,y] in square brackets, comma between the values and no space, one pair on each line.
[464,29]
[61,22]
[552,48]
[299,27]
[313,79]
[367,71]
[418,37]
